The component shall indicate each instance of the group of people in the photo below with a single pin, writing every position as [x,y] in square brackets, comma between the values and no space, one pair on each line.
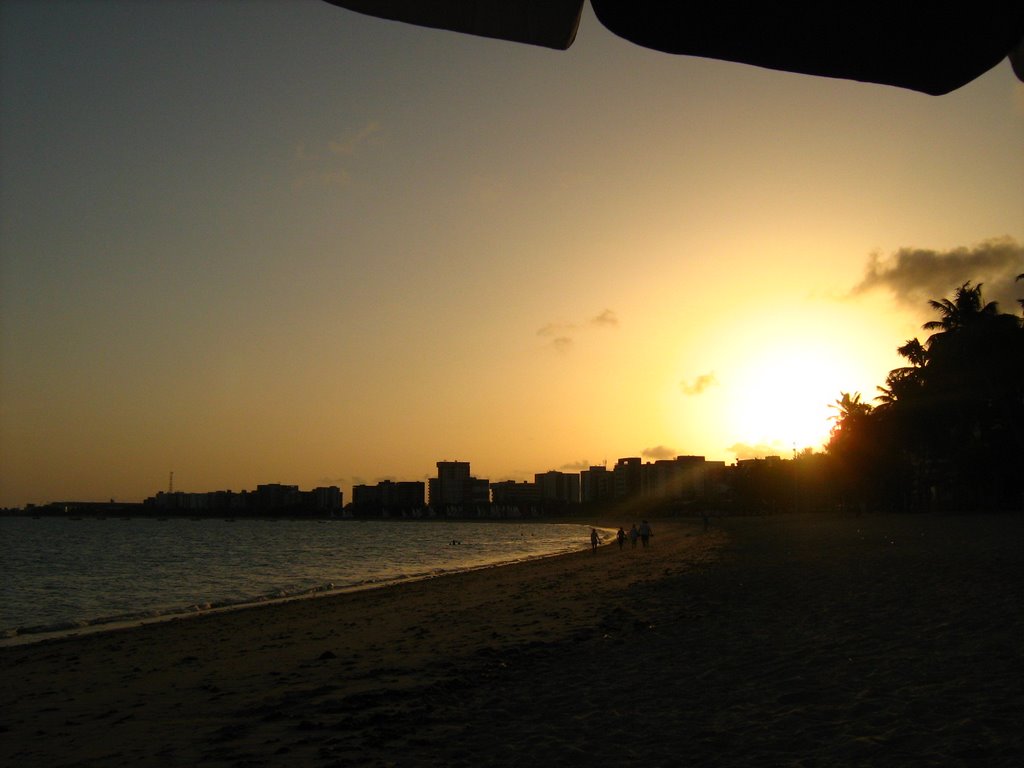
[643,533]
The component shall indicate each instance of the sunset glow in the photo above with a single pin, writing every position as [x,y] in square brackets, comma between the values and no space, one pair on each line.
[371,247]
[785,398]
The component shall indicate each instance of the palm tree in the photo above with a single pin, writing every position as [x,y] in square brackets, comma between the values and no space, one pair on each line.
[914,351]
[963,311]
[970,338]
[972,400]
[849,406]
[902,383]
[850,410]
[949,426]
[857,453]
[901,386]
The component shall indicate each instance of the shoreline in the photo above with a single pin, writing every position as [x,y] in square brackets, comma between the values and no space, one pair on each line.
[22,636]
[185,605]
[796,639]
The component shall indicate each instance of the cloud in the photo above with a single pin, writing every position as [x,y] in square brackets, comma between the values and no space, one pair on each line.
[554,329]
[326,166]
[699,384]
[915,275]
[562,344]
[332,481]
[759,451]
[606,318]
[312,178]
[658,452]
[347,145]
[575,466]
[563,333]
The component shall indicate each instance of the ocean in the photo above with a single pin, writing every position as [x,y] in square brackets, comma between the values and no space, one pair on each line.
[63,575]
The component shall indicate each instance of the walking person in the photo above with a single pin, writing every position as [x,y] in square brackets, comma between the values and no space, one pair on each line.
[594,539]
[634,534]
[645,533]
[621,537]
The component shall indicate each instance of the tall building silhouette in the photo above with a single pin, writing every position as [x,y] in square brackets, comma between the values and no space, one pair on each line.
[455,487]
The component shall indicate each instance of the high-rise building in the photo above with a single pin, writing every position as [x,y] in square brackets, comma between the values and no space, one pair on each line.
[327,498]
[558,487]
[275,497]
[597,484]
[627,477]
[513,494]
[388,496]
[684,478]
[402,495]
[454,487]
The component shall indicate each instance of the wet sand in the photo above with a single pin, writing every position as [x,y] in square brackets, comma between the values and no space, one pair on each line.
[802,640]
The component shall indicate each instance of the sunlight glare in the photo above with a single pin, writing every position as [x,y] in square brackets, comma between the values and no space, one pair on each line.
[782,398]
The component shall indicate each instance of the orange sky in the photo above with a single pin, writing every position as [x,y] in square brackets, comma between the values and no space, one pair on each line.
[263,242]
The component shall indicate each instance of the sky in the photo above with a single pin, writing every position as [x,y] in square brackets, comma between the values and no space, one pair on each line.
[257,242]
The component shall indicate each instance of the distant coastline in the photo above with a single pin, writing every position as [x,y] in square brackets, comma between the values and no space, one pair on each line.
[132,510]
[64,576]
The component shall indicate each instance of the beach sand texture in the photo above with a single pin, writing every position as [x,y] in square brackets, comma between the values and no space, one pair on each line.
[795,640]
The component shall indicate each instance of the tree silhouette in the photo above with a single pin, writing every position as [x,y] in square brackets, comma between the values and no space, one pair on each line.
[850,409]
[915,353]
[903,385]
[963,311]
[949,427]
[851,446]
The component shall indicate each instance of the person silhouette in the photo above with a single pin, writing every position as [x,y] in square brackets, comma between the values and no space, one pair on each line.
[594,539]
[621,537]
[645,533]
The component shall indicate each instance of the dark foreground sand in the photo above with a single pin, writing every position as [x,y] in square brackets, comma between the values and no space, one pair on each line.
[798,640]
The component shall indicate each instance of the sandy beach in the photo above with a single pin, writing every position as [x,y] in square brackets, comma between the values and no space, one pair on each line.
[798,640]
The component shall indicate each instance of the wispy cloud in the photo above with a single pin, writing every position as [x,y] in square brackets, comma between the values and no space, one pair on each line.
[562,344]
[563,334]
[556,329]
[332,480]
[518,476]
[347,144]
[915,275]
[699,384]
[327,165]
[659,452]
[607,318]
[759,451]
[575,466]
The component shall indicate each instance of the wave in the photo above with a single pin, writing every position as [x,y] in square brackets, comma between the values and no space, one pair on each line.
[33,632]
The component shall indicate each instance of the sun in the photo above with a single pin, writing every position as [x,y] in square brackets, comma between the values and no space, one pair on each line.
[780,397]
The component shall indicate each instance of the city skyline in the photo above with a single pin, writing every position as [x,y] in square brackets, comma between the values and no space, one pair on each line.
[258,241]
[348,494]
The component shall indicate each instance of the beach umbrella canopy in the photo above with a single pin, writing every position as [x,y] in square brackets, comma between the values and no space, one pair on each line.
[932,48]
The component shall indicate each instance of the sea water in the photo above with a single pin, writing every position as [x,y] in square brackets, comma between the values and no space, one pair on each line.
[63,574]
